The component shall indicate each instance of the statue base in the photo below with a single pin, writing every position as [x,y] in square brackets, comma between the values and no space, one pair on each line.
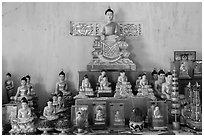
[124,64]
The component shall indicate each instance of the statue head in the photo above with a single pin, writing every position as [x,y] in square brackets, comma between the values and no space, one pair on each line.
[103,72]
[54,97]
[50,102]
[28,78]
[140,76]
[59,98]
[154,74]
[161,74]
[8,75]
[122,72]
[109,14]
[168,77]
[23,81]
[61,75]
[144,77]
[24,103]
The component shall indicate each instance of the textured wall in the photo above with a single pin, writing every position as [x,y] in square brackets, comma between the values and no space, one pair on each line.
[36,38]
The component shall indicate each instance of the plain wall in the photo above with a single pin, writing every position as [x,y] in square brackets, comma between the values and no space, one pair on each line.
[36,39]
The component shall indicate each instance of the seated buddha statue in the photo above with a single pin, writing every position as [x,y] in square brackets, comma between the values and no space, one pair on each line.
[61,86]
[86,86]
[123,87]
[157,113]
[99,115]
[105,85]
[24,122]
[110,46]
[118,117]
[60,103]
[138,81]
[145,89]
[22,91]
[100,78]
[54,99]
[144,81]
[49,112]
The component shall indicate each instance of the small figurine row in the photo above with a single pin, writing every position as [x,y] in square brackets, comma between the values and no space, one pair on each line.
[161,83]
[24,90]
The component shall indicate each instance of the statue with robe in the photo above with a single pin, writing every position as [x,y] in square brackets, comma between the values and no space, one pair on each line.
[110,47]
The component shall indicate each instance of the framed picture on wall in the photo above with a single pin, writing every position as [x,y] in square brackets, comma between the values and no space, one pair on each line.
[189,55]
[81,110]
[197,71]
[183,63]
[117,118]
[99,115]
[184,69]
[158,115]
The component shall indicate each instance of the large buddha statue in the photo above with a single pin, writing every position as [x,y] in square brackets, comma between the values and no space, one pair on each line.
[110,47]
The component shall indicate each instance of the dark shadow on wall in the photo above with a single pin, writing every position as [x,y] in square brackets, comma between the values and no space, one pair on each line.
[4,71]
[42,94]
[70,84]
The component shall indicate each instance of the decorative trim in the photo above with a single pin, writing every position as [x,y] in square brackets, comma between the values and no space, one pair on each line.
[128,29]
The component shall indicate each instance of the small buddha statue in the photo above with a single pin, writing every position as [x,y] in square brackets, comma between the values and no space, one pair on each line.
[61,86]
[55,100]
[104,84]
[100,78]
[157,113]
[144,81]
[138,81]
[123,87]
[60,103]
[86,86]
[158,85]
[22,91]
[144,88]
[167,86]
[118,117]
[9,85]
[49,112]
[99,115]
[85,83]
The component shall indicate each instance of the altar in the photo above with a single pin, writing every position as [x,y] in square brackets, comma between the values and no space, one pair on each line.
[129,104]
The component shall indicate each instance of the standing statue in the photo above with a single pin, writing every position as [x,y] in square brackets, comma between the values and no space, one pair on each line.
[9,85]
[110,48]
